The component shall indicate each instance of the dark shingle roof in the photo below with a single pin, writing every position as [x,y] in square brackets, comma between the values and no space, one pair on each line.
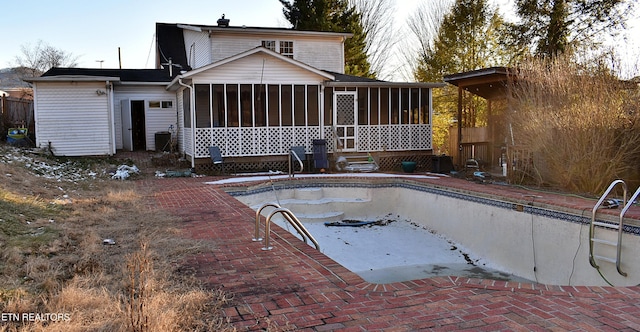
[125,75]
[350,78]
[170,45]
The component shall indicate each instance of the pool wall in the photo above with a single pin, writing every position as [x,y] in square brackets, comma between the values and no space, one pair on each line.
[541,244]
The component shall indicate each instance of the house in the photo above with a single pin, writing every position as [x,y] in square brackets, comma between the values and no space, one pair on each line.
[253,92]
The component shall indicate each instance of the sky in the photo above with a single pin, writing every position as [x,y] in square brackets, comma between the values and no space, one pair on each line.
[94,31]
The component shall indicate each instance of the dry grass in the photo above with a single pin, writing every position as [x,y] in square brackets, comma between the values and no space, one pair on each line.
[580,123]
[53,259]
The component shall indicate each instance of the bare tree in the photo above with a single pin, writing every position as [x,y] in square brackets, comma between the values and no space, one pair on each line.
[423,26]
[37,59]
[377,20]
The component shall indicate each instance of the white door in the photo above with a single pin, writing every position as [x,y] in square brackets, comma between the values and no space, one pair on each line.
[127,132]
[346,119]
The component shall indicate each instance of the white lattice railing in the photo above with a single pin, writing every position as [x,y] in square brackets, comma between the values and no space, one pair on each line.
[239,142]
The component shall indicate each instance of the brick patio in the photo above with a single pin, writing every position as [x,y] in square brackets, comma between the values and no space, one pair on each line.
[295,287]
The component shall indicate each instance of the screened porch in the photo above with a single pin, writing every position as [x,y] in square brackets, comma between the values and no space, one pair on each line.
[248,120]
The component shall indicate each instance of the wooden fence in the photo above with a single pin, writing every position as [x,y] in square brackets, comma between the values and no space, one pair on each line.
[16,113]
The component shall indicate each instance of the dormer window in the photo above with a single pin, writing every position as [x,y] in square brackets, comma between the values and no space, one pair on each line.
[284,47]
[269,44]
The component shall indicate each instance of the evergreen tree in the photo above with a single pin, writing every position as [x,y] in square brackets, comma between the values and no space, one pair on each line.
[469,37]
[555,26]
[332,16]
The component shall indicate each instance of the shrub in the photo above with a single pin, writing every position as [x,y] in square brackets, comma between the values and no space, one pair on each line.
[579,124]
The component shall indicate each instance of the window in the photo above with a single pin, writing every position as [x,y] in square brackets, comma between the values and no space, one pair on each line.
[405,108]
[373,102]
[395,104]
[217,95]
[424,105]
[415,103]
[313,115]
[363,106]
[299,105]
[286,48]
[232,105]
[269,44]
[246,105]
[328,106]
[274,105]
[259,105]
[160,104]
[285,100]
[384,106]
[186,105]
[203,96]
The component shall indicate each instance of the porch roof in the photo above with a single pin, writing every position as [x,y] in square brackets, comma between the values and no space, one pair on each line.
[344,80]
[488,83]
[142,76]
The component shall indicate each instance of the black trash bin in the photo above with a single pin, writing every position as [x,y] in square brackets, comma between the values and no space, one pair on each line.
[441,164]
[163,141]
[320,161]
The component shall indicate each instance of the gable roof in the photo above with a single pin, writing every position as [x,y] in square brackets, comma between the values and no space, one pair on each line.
[122,75]
[256,50]
[171,44]
[488,83]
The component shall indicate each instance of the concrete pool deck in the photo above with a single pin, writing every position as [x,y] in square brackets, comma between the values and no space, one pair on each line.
[296,287]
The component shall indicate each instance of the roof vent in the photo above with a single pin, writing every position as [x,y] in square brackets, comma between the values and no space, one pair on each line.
[223,22]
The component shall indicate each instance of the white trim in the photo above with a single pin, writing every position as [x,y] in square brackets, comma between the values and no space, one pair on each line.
[77,78]
[255,50]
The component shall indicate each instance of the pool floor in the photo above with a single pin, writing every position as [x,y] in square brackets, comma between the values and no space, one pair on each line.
[396,250]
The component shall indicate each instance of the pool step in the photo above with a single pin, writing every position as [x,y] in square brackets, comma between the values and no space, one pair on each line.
[320,217]
[308,193]
[320,206]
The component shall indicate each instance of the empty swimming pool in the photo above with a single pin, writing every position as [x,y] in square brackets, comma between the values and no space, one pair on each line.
[502,240]
[391,249]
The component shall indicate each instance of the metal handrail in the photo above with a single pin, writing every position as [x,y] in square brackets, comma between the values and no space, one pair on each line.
[299,161]
[291,218]
[257,237]
[618,244]
[256,230]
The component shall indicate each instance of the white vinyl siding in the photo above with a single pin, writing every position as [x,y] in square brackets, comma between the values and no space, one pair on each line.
[73,118]
[325,53]
[321,54]
[198,48]
[258,68]
[157,119]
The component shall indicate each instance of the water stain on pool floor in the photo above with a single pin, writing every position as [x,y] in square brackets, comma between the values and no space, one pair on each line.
[413,272]
[398,250]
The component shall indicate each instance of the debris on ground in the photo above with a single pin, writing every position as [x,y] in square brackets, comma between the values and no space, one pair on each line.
[175,173]
[125,171]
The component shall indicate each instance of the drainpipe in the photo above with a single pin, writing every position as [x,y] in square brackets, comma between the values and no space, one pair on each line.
[193,121]
[112,126]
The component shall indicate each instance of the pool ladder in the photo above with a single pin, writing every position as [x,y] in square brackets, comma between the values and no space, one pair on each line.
[288,216]
[619,227]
